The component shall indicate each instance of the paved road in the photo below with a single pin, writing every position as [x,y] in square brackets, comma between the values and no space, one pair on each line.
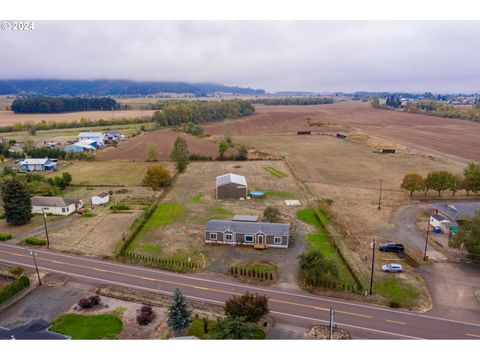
[290,307]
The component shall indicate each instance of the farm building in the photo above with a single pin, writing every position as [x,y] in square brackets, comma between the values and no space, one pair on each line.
[97,138]
[100,199]
[258,234]
[113,135]
[55,205]
[248,218]
[231,186]
[81,146]
[458,211]
[38,164]
[445,225]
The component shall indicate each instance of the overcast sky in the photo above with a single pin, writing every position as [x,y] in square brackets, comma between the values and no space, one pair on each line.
[310,56]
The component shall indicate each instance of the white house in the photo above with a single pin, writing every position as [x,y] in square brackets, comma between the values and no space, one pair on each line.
[97,138]
[55,205]
[100,199]
[38,164]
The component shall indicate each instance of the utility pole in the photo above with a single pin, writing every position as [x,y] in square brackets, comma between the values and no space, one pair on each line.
[426,239]
[380,195]
[332,312]
[45,224]
[36,267]
[373,265]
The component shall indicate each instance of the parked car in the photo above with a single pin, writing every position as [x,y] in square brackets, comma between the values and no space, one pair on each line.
[392,268]
[393,247]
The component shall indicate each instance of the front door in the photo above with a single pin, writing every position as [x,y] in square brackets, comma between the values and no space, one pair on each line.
[260,239]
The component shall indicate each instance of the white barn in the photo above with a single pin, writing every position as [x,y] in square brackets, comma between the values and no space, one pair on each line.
[55,205]
[100,199]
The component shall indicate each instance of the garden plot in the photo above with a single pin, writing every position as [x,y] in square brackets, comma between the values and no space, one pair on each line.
[176,228]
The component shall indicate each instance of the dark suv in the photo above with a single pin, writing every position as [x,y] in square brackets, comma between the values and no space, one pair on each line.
[393,247]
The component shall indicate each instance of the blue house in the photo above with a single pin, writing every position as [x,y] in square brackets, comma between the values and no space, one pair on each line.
[38,164]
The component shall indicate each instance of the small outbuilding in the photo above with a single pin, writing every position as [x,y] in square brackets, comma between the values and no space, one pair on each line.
[100,199]
[444,224]
[55,205]
[231,186]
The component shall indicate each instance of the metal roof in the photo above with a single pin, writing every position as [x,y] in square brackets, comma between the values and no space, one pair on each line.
[253,218]
[35,161]
[231,179]
[458,210]
[243,227]
[53,201]
[90,134]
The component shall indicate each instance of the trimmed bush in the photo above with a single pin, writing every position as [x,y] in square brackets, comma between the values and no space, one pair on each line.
[89,302]
[145,316]
[5,236]
[35,241]
[14,288]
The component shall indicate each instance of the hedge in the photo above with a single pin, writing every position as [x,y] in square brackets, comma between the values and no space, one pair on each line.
[35,241]
[171,264]
[136,227]
[5,236]
[14,288]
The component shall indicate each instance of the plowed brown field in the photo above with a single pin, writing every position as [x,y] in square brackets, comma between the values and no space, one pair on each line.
[460,138]
[136,148]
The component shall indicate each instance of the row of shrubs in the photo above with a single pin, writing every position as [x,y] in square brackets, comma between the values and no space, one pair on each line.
[14,288]
[327,228]
[252,273]
[136,227]
[119,207]
[5,236]
[165,263]
[35,241]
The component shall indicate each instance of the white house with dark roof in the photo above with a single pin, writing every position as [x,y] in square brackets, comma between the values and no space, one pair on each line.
[258,234]
[55,205]
[231,186]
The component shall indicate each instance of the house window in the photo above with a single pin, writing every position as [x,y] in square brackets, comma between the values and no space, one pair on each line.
[228,237]
[249,238]
[64,210]
[277,240]
[213,236]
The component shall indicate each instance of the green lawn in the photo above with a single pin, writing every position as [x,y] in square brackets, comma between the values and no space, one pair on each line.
[280,194]
[165,214]
[319,240]
[196,329]
[275,172]
[91,327]
[399,293]
[197,197]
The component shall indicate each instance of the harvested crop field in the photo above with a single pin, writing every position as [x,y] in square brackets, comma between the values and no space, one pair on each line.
[10,118]
[136,148]
[454,137]
[109,173]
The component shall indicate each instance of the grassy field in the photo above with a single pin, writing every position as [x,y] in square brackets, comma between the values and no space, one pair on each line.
[275,172]
[399,293]
[91,327]
[109,173]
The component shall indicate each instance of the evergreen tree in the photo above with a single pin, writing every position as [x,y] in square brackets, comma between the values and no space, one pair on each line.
[180,154]
[16,202]
[179,317]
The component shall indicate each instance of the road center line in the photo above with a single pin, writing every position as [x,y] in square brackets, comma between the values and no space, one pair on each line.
[396,322]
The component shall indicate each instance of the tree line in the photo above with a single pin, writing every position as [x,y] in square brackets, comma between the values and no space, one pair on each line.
[436,108]
[442,180]
[49,105]
[294,101]
[197,112]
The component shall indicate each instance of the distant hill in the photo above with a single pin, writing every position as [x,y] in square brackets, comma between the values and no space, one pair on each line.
[114,88]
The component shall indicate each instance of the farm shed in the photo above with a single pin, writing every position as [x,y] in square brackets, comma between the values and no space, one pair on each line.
[55,205]
[81,146]
[100,199]
[96,138]
[231,186]
[257,234]
[113,135]
[445,225]
[458,211]
[38,164]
